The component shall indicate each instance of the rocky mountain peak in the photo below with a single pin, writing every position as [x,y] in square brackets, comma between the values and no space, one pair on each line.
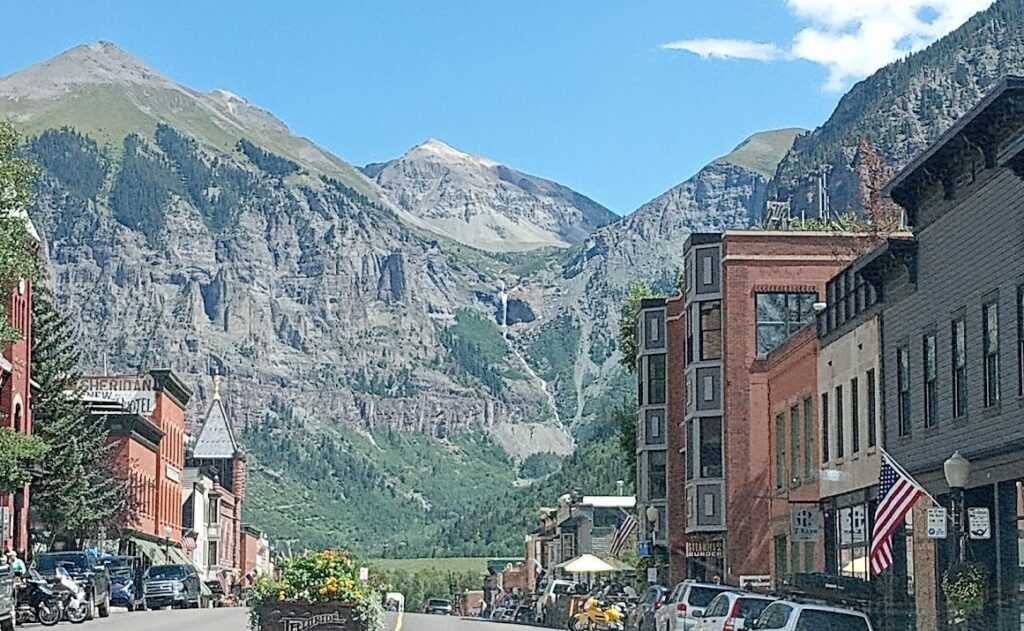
[88,64]
[439,151]
[483,203]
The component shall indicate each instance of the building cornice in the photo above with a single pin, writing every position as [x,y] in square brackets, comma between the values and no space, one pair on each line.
[168,382]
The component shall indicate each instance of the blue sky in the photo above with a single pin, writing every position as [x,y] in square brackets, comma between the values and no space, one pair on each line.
[618,100]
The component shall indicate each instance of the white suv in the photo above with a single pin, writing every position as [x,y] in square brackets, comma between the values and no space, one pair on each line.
[785,615]
[683,608]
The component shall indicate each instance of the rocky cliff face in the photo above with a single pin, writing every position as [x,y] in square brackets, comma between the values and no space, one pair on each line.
[484,204]
[906,106]
[224,242]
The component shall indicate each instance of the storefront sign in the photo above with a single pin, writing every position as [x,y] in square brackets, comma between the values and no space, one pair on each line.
[803,524]
[652,575]
[759,581]
[134,392]
[978,524]
[937,523]
[6,532]
[711,549]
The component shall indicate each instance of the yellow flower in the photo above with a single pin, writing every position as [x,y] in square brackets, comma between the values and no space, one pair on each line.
[280,595]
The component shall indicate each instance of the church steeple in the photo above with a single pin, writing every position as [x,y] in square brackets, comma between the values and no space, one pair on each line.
[216,439]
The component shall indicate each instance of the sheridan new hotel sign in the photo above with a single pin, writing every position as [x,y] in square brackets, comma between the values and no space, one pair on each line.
[135,392]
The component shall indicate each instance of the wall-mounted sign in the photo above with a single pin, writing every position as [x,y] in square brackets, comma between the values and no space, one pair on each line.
[937,523]
[173,474]
[803,524]
[6,531]
[134,392]
[978,524]
[711,549]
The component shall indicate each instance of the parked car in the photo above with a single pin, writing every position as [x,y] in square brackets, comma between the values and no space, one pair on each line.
[732,611]
[6,598]
[438,606]
[641,617]
[685,604]
[125,581]
[174,585]
[550,594]
[86,569]
[784,615]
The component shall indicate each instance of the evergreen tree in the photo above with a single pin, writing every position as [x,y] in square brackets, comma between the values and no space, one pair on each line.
[80,490]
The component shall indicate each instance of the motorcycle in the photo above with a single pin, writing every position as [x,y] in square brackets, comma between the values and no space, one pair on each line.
[74,605]
[598,616]
[36,602]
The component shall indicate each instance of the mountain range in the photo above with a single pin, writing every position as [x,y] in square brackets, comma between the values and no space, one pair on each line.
[440,295]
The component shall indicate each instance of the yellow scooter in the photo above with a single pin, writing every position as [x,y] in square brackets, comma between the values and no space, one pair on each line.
[595,616]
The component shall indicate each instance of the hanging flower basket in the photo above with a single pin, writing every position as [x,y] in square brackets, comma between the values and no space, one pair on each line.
[316,592]
[964,586]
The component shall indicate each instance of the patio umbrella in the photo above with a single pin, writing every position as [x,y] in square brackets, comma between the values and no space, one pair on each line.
[588,564]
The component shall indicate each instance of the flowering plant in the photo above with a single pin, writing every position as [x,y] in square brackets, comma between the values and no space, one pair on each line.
[320,577]
[964,587]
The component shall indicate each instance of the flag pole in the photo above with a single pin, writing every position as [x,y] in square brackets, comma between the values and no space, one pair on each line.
[904,472]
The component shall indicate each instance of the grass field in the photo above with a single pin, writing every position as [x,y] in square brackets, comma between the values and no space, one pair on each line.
[454,564]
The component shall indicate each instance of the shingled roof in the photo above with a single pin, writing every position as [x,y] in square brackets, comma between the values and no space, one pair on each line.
[216,439]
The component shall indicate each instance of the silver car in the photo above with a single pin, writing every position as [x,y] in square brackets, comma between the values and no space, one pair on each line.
[784,615]
[732,611]
[685,604]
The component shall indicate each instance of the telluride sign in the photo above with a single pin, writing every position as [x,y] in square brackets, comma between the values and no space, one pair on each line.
[281,616]
[134,392]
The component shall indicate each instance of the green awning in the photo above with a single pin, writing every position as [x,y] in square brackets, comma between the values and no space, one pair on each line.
[152,551]
[177,556]
[204,589]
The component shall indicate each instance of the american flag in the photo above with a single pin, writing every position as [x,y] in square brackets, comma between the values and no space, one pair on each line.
[622,535]
[897,494]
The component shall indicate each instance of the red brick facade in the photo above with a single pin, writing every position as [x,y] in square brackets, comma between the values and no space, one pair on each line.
[791,373]
[675,332]
[16,408]
[754,262]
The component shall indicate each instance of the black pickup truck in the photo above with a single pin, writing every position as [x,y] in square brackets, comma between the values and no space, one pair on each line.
[87,570]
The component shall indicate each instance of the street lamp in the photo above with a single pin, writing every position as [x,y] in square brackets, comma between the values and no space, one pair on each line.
[652,519]
[167,542]
[958,475]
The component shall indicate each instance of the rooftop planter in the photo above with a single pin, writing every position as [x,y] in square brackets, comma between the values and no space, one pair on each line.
[318,591]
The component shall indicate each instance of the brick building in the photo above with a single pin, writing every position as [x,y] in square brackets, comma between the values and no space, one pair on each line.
[255,553]
[789,373]
[746,293]
[154,399]
[675,353]
[216,453]
[137,454]
[16,407]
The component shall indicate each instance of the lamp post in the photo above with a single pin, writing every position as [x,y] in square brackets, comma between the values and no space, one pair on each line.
[652,519]
[958,475]
[167,542]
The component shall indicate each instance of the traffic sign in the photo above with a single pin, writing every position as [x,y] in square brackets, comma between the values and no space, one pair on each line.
[937,523]
[978,524]
[643,548]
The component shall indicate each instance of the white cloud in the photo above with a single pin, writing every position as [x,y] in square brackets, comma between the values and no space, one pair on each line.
[852,38]
[710,47]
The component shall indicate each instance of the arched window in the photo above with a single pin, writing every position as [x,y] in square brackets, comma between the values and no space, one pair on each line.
[17,418]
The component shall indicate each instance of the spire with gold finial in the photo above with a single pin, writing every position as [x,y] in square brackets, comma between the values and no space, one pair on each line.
[217,379]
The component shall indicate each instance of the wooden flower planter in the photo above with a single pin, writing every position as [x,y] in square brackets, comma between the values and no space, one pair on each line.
[298,616]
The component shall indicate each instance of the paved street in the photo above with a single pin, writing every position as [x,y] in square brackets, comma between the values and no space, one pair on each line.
[419,622]
[235,619]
